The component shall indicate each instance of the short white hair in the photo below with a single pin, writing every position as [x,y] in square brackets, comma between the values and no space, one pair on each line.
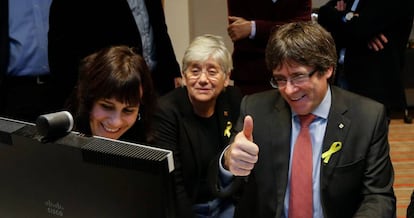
[205,47]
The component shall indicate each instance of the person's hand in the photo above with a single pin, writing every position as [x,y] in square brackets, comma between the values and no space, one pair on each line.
[378,42]
[242,154]
[239,28]
[340,5]
[178,82]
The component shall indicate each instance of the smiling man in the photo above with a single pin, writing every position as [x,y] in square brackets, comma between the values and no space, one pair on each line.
[337,165]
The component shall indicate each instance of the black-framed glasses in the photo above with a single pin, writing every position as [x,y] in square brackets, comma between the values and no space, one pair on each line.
[296,80]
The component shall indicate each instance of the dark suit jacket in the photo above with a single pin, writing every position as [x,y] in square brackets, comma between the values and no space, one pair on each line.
[4,38]
[410,208]
[176,129]
[357,180]
[79,28]
[248,54]
[373,74]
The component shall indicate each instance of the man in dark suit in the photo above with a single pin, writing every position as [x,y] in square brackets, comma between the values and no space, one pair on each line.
[250,24]
[79,28]
[352,174]
[371,37]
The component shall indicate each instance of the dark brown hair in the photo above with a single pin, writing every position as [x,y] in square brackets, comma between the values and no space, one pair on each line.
[115,72]
[306,43]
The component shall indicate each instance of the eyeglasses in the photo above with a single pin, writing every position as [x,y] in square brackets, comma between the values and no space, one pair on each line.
[212,74]
[296,80]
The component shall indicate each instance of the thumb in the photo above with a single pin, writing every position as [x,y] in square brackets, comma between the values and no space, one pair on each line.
[233,19]
[248,127]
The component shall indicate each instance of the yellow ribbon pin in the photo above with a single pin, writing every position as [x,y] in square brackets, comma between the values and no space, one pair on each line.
[227,130]
[336,146]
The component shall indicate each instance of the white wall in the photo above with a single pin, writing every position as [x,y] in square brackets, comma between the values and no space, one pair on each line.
[209,17]
[178,23]
[318,3]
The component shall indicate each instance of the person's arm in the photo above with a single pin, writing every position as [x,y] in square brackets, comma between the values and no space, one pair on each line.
[368,25]
[168,68]
[240,28]
[166,127]
[377,185]
[301,11]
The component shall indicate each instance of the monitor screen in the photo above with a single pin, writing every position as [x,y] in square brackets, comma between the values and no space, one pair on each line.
[78,176]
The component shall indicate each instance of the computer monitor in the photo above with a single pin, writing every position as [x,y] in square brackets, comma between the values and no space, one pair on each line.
[78,176]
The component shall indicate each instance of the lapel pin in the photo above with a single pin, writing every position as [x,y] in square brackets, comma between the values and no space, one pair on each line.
[341,125]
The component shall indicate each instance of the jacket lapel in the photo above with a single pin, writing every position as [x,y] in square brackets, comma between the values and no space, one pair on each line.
[280,133]
[190,128]
[336,131]
[224,119]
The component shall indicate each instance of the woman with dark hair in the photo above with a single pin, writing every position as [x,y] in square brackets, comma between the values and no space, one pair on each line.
[114,95]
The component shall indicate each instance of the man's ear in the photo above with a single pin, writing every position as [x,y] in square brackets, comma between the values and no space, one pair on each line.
[329,72]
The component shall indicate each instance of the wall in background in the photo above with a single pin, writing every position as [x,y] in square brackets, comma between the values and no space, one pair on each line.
[178,22]
[187,19]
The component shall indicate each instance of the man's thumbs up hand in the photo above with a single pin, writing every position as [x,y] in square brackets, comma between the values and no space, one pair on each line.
[242,154]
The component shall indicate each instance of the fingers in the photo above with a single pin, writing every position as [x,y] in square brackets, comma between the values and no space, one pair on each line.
[383,38]
[373,45]
[378,42]
[233,19]
[239,161]
[242,155]
[239,167]
[232,32]
[239,29]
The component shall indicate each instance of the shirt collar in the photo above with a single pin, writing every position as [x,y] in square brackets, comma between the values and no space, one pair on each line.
[322,110]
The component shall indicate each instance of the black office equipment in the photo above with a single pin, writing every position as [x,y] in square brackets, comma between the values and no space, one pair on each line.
[78,176]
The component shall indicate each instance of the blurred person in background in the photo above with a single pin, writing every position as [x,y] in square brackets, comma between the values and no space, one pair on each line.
[24,69]
[250,24]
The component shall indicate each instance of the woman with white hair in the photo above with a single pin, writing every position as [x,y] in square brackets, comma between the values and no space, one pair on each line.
[196,122]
